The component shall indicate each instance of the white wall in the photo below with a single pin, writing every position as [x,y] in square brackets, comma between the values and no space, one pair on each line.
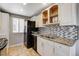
[4,30]
[15,38]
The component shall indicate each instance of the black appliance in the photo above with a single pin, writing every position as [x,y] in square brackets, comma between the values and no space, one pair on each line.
[35,43]
[28,37]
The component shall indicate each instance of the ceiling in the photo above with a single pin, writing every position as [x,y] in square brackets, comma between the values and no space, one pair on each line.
[28,9]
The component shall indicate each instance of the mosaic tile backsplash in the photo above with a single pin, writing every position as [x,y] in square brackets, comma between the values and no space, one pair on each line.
[69,32]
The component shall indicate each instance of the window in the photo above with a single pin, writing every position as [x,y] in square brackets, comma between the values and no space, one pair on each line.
[18,25]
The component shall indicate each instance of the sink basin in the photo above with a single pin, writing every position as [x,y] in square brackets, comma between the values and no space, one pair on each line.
[48,36]
[3,43]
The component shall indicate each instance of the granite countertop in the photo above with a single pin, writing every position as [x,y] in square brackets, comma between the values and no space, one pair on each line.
[60,40]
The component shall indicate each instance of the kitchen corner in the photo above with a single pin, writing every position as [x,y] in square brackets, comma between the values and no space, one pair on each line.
[38,29]
[64,36]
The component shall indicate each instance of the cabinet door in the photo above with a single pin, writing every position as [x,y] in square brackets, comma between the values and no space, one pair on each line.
[37,22]
[5,24]
[49,48]
[40,22]
[0,21]
[40,46]
[66,14]
[45,47]
[61,50]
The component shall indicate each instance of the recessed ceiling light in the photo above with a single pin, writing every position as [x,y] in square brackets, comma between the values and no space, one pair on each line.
[24,3]
[21,10]
[44,3]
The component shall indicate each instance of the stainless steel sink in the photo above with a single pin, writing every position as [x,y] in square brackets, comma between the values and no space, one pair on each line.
[49,36]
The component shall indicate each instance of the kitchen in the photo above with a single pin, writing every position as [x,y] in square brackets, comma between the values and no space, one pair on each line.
[50,29]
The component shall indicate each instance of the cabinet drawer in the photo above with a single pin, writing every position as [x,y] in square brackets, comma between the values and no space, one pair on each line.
[40,46]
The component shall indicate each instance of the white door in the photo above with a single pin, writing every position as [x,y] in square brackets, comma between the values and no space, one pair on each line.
[0,21]
[40,46]
[65,14]
[37,23]
[5,24]
[49,48]
[5,28]
[61,50]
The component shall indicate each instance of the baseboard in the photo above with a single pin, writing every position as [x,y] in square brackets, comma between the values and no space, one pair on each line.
[16,45]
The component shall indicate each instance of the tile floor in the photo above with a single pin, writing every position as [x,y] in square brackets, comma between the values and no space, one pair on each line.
[21,50]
